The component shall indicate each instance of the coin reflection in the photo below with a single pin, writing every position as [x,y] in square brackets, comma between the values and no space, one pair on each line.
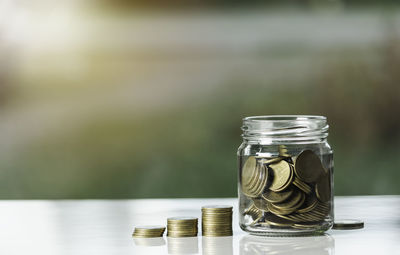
[217,245]
[318,245]
[183,245]
[156,241]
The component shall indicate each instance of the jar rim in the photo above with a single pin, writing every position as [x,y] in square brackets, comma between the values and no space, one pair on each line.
[274,118]
[285,128]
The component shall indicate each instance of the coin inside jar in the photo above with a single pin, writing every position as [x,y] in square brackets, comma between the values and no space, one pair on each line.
[282,176]
[309,204]
[254,178]
[277,197]
[260,204]
[248,170]
[308,166]
[273,220]
[323,188]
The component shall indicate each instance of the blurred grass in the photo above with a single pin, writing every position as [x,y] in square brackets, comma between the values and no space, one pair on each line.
[187,147]
[189,150]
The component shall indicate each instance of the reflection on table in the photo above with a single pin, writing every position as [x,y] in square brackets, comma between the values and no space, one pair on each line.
[217,245]
[313,245]
[157,241]
[183,245]
[189,245]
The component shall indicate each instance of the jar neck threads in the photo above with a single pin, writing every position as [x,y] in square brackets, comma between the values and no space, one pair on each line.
[285,129]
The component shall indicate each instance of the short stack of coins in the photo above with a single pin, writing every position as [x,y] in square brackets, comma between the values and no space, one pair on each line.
[216,220]
[148,231]
[286,191]
[182,226]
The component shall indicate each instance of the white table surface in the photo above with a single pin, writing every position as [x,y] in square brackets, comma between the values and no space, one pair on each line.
[105,227]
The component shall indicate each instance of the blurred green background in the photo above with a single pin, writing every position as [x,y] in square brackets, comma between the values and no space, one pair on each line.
[137,99]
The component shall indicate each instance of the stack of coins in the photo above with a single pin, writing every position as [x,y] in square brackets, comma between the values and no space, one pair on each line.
[182,226]
[216,220]
[148,231]
[287,192]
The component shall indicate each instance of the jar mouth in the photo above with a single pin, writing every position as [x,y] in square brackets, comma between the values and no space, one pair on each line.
[285,128]
[282,118]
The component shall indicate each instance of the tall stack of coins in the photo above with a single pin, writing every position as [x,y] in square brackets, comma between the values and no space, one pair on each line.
[148,231]
[182,226]
[216,220]
[286,191]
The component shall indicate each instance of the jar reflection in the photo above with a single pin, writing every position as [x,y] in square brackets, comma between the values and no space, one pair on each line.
[310,245]
[217,245]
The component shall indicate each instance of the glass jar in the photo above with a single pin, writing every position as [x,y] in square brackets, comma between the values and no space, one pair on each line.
[285,182]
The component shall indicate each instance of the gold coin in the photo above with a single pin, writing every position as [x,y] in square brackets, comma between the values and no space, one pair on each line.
[274,220]
[308,225]
[260,204]
[298,217]
[219,208]
[287,210]
[256,188]
[249,170]
[182,226]
[182,219]
[309,204]
[148,231]
[302,185]
[253,211]
[348,224]
[216,220]
[263,181]
[277,197]
[270,160]
[291,202]
[282,176]
[257,220]
[323,188]
[283,151]
[254,178]
[257,182]
[308,166]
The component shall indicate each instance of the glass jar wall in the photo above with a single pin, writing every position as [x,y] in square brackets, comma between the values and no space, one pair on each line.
[285,182]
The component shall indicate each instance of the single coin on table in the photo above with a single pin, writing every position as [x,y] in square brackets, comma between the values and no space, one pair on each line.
[348,224]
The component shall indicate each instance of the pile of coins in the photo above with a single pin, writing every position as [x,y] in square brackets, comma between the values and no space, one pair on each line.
[216,220]
[286,191]
[182,226]
[148,231]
